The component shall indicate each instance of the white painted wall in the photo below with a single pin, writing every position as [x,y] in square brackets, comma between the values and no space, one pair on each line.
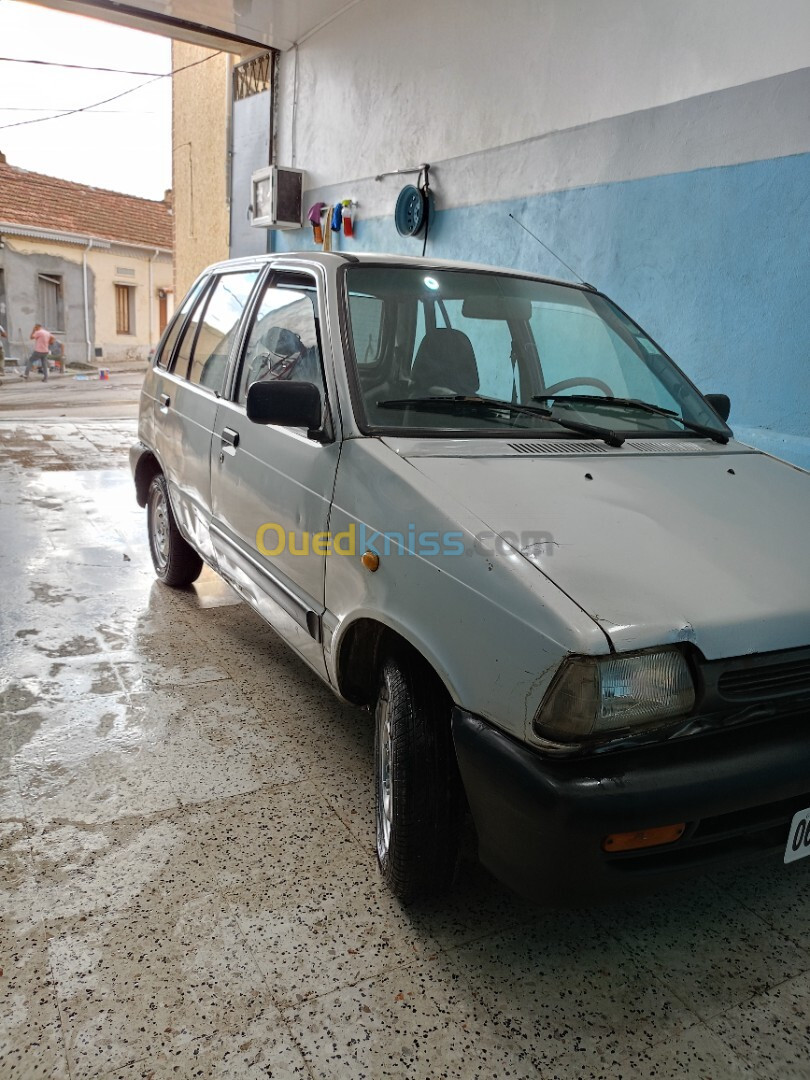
[389,84]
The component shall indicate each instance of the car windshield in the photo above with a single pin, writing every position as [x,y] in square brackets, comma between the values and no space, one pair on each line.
[476,338]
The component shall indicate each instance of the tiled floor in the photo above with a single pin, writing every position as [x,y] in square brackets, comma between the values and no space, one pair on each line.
[187,876]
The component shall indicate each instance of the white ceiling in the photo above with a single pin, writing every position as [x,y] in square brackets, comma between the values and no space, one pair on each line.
[244,24]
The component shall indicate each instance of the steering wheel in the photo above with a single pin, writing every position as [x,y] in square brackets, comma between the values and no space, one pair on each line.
[566,384]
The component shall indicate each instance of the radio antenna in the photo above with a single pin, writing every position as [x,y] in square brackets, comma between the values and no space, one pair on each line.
[554,253]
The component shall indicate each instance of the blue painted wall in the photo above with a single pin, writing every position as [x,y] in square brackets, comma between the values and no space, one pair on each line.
[714,264]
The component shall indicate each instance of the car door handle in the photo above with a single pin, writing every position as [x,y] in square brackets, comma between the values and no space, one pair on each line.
[165,401]
[229,437]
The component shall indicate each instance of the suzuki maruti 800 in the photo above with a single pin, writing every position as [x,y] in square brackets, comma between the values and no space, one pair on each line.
[489,507]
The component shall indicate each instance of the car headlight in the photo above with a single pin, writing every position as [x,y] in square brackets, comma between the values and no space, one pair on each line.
[596,697]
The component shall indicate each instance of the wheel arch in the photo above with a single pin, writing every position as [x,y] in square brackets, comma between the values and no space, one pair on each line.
[363,646]
[146,470]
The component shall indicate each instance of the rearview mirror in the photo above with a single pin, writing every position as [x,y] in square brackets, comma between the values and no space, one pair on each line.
[721,403]
[286,404]
[496,307]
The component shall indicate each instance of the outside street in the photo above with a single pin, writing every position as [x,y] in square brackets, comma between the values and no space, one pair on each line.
[70,396]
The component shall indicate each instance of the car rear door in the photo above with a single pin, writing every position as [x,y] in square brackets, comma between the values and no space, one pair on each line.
[272,486]
[188,396]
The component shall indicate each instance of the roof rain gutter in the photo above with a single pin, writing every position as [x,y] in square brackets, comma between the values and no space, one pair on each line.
[150,304]
[88,342]
[34,233]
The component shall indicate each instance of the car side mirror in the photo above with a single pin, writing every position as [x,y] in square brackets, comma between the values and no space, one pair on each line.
[721,403]
[286,404]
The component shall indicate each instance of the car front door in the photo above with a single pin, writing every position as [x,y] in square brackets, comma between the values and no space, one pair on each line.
[188,397]
[272,486]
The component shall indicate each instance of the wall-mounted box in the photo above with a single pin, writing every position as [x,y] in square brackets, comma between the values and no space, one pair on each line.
[277,198]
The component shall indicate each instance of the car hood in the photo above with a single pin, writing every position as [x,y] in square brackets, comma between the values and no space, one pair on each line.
[707,547]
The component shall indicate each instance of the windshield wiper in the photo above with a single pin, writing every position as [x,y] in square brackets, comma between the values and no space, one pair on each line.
[642,406]
[457,402]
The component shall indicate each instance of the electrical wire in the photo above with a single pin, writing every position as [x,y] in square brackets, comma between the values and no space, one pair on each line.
[425,189]
[79,67]
[115,97]
[59,112]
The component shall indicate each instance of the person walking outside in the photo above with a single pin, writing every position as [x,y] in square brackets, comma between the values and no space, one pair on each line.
[3,334]
[42,339]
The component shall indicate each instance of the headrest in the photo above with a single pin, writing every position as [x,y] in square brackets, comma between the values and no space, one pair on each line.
[281,341]
[446,358]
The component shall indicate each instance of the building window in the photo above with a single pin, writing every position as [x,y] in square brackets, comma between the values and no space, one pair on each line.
[125,309]
[51,302]
[252,77]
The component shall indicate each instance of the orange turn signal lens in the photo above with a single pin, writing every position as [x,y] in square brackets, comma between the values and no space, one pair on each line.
[632,841]
[371,560]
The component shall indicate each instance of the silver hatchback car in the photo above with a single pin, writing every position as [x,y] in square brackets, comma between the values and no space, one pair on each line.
[490,508]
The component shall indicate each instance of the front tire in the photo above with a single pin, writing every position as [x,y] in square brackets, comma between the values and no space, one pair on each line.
[417,785]
[176,562]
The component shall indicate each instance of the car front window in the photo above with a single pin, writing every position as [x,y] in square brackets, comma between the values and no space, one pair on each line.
[283,341]
[532,345]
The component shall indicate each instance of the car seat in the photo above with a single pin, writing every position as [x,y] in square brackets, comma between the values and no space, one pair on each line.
[445,362]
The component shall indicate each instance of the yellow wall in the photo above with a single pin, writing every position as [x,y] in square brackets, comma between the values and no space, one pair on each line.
[106,267]
[200,109]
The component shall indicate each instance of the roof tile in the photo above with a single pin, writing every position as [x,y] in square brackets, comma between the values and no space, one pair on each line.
[46,202]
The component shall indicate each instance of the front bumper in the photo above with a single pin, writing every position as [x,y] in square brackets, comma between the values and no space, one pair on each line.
[541,821]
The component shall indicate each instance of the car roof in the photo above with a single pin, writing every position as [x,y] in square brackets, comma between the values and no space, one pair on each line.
[331,260]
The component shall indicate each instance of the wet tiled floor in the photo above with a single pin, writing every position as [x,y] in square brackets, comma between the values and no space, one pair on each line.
[187,876]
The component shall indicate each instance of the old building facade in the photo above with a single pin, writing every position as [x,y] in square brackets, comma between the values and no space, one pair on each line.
[94,266]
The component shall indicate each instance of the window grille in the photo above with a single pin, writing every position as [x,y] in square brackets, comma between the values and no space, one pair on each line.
[251,77]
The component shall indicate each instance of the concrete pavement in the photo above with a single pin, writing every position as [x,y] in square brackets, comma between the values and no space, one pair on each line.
[70,396]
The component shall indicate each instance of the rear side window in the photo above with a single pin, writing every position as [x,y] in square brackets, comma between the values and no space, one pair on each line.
[216,333]
[202,351]
[164,357]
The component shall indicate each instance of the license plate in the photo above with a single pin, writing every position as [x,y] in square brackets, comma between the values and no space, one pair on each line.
[798,845]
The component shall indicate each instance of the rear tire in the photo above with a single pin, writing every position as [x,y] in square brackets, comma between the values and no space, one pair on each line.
[176,562]
[417,785]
